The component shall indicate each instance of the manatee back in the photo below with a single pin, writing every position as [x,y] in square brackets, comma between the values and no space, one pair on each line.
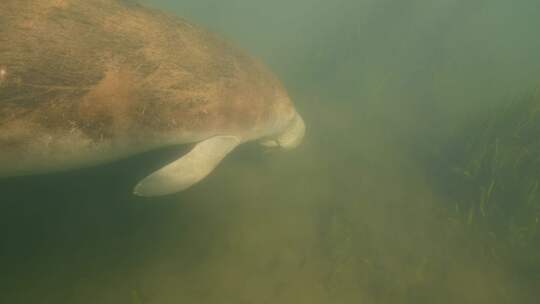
[111,67]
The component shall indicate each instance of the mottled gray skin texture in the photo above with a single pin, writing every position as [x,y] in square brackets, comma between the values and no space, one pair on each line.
[86,81]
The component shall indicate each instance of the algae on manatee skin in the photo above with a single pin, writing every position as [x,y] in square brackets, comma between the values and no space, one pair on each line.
[492,177]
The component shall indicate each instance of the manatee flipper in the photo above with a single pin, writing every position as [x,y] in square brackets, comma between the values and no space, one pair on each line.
[189,169]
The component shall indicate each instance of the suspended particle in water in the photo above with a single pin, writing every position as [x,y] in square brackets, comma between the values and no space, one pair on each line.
[3,74]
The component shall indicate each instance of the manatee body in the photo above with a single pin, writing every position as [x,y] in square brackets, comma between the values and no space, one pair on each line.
[89,81]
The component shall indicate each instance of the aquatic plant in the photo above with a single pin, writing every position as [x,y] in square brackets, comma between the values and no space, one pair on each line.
[136,296]
[490,171]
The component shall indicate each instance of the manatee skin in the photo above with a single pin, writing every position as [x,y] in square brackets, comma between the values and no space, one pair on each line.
[88,81]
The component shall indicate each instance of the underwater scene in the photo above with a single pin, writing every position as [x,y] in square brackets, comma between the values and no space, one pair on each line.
[261,152]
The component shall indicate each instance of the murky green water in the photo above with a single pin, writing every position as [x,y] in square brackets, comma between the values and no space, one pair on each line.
[365,211]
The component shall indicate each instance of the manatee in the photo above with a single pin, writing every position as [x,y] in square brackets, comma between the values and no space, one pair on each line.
[84,82]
